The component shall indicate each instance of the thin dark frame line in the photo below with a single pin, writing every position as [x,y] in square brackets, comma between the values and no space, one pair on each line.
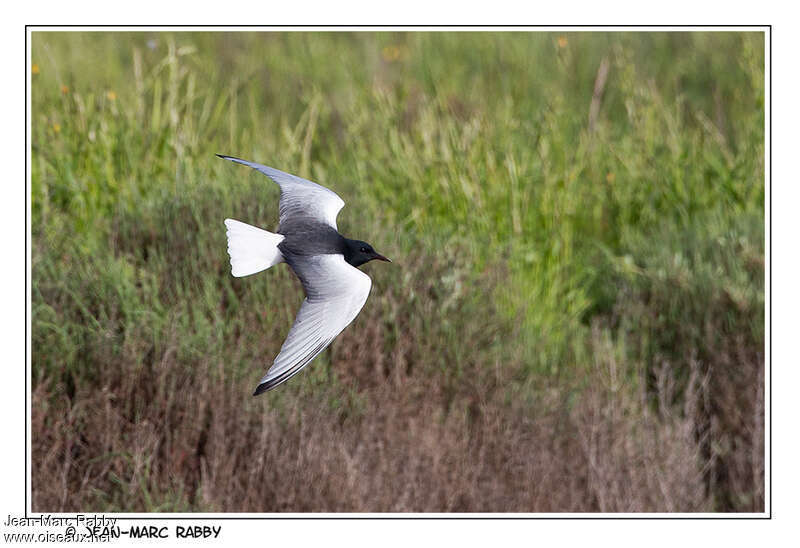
[770,270]
[644,27]
[444,517]
[25,373]
[767,30]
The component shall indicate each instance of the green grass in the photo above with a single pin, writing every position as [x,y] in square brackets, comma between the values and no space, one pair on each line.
[471,152]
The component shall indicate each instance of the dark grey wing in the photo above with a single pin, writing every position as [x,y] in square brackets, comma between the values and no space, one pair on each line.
[301,200]
[335,293]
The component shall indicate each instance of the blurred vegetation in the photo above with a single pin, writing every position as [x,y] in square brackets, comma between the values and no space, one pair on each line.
[556,205]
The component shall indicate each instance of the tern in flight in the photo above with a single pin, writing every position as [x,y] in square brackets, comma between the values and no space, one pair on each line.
[325,262]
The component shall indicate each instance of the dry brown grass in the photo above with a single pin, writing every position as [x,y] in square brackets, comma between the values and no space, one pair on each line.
[165,438]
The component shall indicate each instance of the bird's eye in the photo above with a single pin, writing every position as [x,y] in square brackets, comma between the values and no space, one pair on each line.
[363,250]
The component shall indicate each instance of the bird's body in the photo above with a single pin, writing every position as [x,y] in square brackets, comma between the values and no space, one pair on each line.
[310,238]
[324,261]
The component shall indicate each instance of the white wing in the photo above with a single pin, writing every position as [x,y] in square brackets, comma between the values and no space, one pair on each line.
[301,200]
[335,293]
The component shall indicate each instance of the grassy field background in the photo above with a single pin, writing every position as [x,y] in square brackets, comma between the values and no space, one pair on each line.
[574,320]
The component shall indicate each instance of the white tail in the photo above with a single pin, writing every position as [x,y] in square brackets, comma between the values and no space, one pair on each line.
[251,249]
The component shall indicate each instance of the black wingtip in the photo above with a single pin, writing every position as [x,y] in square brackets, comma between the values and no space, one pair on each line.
[263,387]
[223,156]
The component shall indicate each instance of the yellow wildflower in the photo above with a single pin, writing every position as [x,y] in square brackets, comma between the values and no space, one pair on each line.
[562,41]
[64,89]
[111,96]
[390,53]
[56,127]
[35,68]
[610,177]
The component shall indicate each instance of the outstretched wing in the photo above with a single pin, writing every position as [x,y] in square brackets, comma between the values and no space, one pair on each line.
[335,293]
[301,200]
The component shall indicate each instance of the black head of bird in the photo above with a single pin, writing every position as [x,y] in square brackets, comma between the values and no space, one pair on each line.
[358,252]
